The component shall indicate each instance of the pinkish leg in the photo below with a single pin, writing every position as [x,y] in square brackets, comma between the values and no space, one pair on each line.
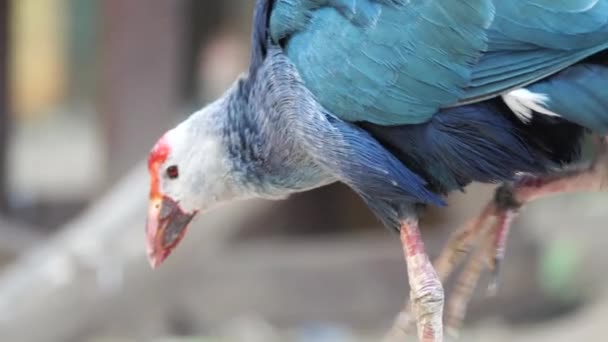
[507,202]
[426,291]
[458,247]
[463,290]
[461,241]
[503,208]
[488,253]
[501,230]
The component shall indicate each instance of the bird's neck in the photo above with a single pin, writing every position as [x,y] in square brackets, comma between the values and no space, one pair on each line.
[265,159]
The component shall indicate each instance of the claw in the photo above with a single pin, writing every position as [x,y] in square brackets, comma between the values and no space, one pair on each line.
[494,281]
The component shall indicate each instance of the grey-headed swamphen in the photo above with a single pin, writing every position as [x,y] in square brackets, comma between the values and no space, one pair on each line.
[404,101]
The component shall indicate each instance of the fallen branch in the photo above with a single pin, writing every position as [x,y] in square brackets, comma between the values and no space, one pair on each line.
[64,282]
[18,237]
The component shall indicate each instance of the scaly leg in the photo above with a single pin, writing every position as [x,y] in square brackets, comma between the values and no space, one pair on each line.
[505,206]
[458,247]
[465,286]
[466,283]
[500,230]
[461,241]
[426,291]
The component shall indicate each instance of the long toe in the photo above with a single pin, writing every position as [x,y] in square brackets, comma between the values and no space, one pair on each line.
[428,308]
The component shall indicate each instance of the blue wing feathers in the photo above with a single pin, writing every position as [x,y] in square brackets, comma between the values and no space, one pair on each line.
[498,74]
[559,25]
[351,67]
[579,94]
[397,62]
[530,40]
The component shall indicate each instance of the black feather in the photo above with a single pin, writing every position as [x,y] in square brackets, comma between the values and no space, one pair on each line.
[483,142]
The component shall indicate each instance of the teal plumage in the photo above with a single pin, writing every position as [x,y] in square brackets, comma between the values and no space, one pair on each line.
[532,39]
[400,67]
[579,94]
[399,62]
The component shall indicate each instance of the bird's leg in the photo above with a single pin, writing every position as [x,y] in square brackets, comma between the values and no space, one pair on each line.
[488,254]
[502,209]
[456,309]
[426,291]
[498,236]
[461,241]
[507,201]
[458,247]
[488,240]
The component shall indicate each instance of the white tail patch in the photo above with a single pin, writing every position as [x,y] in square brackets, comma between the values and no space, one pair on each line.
[524,102]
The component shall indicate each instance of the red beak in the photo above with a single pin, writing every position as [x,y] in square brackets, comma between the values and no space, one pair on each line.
[166,226]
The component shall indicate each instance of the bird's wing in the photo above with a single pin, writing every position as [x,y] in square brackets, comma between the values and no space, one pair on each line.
[578,94]
[383,61]
[531,39]
[398,61]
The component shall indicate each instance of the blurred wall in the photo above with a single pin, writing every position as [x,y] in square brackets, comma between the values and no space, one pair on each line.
[38,72]
[5,117]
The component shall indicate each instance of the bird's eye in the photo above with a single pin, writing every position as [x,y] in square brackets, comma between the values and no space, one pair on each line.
[172,172]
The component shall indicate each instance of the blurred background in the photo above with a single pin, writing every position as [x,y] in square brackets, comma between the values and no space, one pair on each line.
[87,86]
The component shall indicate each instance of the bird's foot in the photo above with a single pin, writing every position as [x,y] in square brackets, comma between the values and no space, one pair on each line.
[426,292]
[484,238]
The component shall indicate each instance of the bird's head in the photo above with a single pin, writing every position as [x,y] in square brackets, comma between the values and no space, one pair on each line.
[189,173]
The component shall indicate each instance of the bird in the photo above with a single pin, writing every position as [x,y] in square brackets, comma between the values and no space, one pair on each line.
[405,102]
